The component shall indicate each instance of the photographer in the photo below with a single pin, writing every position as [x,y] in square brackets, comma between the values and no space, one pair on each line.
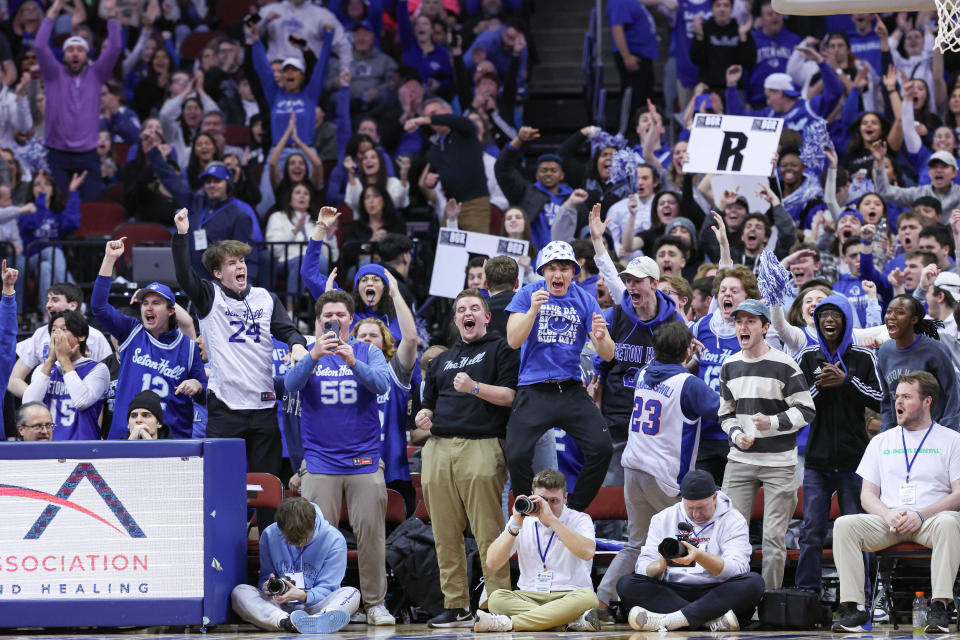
[339,381]
[555,589]
[311,557]
[707,581]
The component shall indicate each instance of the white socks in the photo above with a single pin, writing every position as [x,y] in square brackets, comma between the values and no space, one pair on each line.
[675,620]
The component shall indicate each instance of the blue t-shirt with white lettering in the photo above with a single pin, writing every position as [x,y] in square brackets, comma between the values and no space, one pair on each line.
[552,350]
[867,47]
[340,418]
[773,52]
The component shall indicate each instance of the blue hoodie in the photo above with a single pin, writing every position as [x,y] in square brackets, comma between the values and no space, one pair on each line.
[323,560]
[634,348]
[540,227]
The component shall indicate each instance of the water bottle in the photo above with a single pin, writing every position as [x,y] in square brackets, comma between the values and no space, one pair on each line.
[919,612]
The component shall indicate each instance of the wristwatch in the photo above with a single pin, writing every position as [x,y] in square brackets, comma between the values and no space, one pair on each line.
[476,389]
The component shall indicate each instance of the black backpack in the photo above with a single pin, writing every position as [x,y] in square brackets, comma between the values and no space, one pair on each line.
[794,609]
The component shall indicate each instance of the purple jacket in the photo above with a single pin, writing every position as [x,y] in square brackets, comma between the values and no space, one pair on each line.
[73,101]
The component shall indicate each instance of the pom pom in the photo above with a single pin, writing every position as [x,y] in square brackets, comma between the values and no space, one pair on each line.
[772,279]
[623,169]
[816,141]
[32,157]
[602,140]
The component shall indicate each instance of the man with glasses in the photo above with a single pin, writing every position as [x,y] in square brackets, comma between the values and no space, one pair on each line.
[34,422]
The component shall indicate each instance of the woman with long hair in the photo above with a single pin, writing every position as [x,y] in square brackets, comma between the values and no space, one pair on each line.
[143,194]
[369,168]
[915,345]
[303,166]
[181,116]
[203,152]
[376,216]
[151,92]
[293,223]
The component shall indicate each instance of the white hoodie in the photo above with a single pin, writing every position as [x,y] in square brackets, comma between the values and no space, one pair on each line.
[726,535]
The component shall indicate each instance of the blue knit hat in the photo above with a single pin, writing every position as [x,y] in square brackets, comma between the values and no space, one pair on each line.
[376,270]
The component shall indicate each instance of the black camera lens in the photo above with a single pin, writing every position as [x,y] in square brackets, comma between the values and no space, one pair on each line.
[525,505]
[276,586]
[670,548]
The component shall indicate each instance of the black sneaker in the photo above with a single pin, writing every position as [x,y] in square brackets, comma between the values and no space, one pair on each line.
[287,625]
[452,618]
[851,618]
[938,620]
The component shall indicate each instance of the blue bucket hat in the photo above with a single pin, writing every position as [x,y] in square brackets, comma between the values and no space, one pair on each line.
[557,250]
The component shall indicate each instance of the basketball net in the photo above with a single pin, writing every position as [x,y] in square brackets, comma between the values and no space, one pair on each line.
[948,21]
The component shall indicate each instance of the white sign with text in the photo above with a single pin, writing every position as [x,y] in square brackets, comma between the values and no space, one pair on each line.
[454,248]
[733,144]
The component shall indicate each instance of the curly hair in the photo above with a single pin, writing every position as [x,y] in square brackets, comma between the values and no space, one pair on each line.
[741,273]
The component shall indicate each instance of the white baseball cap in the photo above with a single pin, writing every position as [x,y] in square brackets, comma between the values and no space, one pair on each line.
[78,41]
[296,63]
[642,267]
[949,282]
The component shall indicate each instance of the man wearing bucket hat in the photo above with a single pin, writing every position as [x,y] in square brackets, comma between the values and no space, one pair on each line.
[215,215]
[764,401]
[549,322]
[154,354]
[73,100]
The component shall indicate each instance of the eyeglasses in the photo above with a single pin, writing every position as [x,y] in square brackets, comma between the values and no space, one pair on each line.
[46,426]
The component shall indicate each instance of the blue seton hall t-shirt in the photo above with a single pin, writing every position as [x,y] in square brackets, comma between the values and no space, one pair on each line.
[552,350]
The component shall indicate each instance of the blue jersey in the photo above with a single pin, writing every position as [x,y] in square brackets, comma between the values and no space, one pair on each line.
[72,423]
[147,364]
[772,55]
[716,350]
[552,350]
[340,418]
[867,48]
[687,12]
[393,428]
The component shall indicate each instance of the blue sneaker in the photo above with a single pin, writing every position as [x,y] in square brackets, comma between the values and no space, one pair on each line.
[851,618]
[326,622]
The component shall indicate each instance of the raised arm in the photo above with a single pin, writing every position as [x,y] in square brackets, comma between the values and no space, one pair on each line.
[116,323]
[199,292]
[407,349]
[602,257]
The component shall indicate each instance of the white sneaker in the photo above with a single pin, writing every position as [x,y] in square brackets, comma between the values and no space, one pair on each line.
[378,616]
[642,620]
[492,622]
[589,621]
[726,622]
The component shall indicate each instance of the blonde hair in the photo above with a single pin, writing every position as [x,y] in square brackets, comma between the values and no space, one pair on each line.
[389,344]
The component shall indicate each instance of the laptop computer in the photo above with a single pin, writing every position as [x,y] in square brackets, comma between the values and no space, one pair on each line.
[152,264]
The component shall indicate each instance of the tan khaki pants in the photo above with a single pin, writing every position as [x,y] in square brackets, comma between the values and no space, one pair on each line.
[854,534]
[475,215]
[463,479]
[535,611]
[366,495]
[740,482]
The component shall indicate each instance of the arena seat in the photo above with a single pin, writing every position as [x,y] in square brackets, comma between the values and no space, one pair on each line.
[193,44]
[264,491]
[237,135]
[396,514]
[140,232]
[100,218]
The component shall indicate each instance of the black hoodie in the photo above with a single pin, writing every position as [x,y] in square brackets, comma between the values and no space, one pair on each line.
[488,360]
[837,436]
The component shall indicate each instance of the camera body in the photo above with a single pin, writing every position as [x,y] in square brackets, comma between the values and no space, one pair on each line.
[525,505]
[671,548]
[278,586]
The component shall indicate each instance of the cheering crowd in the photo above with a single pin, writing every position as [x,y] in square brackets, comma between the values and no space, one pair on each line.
[687,337]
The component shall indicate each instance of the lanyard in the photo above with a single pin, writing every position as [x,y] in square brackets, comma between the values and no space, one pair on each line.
[697,534]
[205,218]
[297,559]
[543,554]
[909,460]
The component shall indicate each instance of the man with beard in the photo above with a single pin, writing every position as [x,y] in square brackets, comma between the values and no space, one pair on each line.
[72,112]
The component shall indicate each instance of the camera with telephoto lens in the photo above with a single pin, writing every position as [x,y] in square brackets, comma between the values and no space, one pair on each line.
[672,548]
[277,586]
[525,505]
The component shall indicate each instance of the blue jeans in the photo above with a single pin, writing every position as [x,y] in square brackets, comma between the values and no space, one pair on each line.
[50,265]
[818,488]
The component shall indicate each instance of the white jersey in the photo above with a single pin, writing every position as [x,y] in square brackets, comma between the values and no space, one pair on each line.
[662,441]
[35,349]
[237,337]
